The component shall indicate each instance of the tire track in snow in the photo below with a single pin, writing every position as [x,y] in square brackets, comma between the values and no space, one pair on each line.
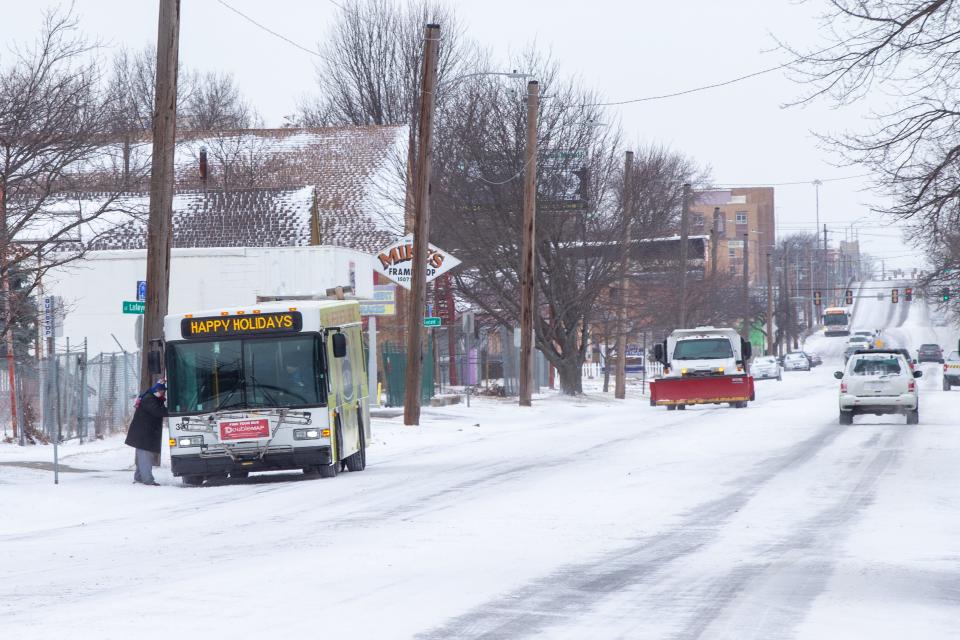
[767,599]
[571,589]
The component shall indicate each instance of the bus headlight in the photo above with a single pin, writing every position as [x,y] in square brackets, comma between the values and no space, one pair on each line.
[306,434]
[190,441]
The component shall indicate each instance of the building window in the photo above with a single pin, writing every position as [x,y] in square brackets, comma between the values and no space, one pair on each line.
[698,219]
[741,217]
[734,270]
[731,253]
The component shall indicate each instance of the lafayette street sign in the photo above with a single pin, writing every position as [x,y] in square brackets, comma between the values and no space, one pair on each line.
[395,261]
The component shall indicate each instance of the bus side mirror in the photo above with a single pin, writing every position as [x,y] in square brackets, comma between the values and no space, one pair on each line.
[339,345]
[153,362]
[658,353]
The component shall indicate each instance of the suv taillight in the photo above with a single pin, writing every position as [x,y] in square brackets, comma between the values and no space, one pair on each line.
[911,385]
[843,387]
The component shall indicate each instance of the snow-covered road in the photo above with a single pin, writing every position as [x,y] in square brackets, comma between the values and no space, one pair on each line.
[579,518]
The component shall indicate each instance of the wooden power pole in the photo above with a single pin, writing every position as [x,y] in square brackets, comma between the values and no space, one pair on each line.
[684,233]
[528,254]
[746,286]
[159,231]
[421,228]
[769,307]
[620,386]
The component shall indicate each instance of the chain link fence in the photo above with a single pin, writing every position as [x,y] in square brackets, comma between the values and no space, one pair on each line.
[71,394]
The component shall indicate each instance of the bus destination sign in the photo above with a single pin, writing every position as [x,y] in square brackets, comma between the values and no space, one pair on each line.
[241,325]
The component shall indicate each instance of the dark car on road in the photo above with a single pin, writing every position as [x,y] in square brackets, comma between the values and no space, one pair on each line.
[930,353]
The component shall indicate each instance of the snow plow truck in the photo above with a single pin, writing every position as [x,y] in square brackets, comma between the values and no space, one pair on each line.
[705,365]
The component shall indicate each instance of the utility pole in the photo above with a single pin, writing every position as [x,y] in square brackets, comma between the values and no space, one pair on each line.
[620,387]
[421,227]
[527,252]
[159,233]
[769,307]
[746,286]
[714,242]
[684,232]
[788,327]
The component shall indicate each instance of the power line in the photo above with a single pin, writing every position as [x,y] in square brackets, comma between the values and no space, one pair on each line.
[724,83]
[796,182]
[271,31]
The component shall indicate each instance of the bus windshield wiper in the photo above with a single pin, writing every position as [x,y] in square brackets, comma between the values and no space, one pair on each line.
[223,403]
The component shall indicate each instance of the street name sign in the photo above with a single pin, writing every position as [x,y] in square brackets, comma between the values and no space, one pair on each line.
[133,306]
[431,322]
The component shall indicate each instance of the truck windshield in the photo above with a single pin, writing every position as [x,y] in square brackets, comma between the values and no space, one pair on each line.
[703,349]
[835,318]
[245,374]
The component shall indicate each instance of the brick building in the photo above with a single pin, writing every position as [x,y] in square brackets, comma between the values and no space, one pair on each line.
[737,216]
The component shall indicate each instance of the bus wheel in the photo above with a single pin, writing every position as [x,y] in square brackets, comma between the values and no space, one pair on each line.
[329,470]
[358,461]
[192,481]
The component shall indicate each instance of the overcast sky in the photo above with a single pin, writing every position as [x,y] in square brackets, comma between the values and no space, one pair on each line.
[625,49]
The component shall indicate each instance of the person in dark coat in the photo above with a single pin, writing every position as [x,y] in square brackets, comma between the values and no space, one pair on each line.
[146,431]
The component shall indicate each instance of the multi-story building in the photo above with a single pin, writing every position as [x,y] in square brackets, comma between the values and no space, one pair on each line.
[739,217]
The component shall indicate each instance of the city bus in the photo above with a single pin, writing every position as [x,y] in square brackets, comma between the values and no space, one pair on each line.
[266,387]
[836,321]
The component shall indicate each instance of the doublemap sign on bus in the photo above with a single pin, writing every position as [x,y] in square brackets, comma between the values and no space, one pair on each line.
[241,325]
[396,260]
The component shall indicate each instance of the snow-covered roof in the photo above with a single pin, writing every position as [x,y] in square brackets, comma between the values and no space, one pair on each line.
[336,186]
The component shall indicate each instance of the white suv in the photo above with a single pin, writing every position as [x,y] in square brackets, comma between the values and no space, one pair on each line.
[878,382]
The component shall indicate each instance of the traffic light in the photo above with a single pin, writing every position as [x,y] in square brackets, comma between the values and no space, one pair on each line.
[945,294]
[908,294]
[816,298]
[895,296]
[848,297]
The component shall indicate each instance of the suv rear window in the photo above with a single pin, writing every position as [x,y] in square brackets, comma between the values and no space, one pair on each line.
[876,366]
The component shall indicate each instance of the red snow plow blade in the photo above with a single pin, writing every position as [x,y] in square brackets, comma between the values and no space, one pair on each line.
[701,390]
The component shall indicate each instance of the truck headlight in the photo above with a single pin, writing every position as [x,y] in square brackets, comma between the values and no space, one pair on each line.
[190,441]
[306,434]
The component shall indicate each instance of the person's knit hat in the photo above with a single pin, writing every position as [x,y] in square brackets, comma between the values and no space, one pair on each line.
[157,387]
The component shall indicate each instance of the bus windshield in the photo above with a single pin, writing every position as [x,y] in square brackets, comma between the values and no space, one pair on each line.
[245,374]
[703,349]
[835,318]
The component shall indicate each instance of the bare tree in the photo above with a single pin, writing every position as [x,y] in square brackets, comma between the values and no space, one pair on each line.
[368,73]
[53,126]
[216,104]
[907,53]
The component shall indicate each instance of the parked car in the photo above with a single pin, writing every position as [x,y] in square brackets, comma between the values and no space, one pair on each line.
[765,367]
[930,353]
[878,382]
[815,360]
[796,361]
[951,370]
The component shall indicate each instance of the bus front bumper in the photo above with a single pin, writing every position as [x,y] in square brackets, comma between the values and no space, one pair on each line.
[213,465]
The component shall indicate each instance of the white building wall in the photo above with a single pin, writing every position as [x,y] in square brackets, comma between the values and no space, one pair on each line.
[93,289]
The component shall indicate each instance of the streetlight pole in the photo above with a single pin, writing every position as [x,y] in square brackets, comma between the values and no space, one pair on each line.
[527,257]
[421,228]
[620,387]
